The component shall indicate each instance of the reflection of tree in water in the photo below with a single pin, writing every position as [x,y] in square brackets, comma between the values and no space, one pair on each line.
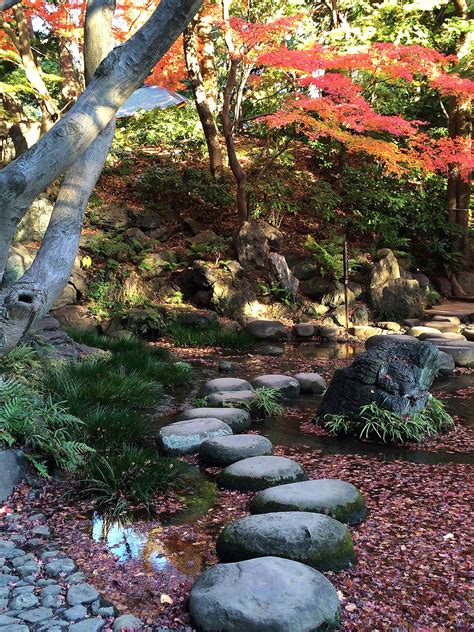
[182,556]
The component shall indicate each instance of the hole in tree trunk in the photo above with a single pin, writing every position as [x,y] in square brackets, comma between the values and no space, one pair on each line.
[25,298]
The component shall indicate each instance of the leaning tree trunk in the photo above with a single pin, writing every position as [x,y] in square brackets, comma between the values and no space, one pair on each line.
[204,105]
[88,127]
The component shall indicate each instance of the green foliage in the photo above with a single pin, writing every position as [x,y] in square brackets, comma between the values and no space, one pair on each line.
[279,293]
[42,427]
[377,424]
[328,256]
[129,476]
[266,403]
[201,402]
[162,128]
[211,336]
[22,362]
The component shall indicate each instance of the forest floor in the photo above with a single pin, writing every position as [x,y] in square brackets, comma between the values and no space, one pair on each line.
[412,570]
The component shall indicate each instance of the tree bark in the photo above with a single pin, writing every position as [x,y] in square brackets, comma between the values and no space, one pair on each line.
[38,289]
[117,77]
[205,104]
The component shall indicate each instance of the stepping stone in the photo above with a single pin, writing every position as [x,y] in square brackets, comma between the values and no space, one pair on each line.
[310,538]
[462,356]
[362,332]
[287,386]
[81,594]
[267,593]
[442,336]
[448,364]
[233,398]
[304,330]
[224,384]
[450,319]
[271,350]
[267,329]
[420,329]
[224,451]
[469,333]
[389,325]
[260,472]
[444,326]
[373,341]
[185,437]
[333,497]
[239,420]
[311,383]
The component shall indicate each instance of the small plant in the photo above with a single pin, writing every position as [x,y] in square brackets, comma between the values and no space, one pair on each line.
[201,402]
[211,336]
[328,256]
[266,402]
[376,423]
[278,292]
[22,362]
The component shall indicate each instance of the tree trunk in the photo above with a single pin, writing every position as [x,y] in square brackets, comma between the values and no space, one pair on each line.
[118,76]
[205,103]
[38,289]
[234,163]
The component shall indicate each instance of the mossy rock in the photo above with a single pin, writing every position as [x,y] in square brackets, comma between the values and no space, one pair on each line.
[260,472]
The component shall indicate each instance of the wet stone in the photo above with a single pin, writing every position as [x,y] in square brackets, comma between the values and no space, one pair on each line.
[52,589]
[271,350]
[24,601]
[311,383]
[76,613]
[288,387]
[19,590]
[15,627]
[52,601]
[260,472]
[6,580]
[127,622]
[231,398]
[81,594]
[230,384]
[37,615]
[30,568]
[224,451]
[41,531]
[238,420]
[185,437]
[4,620]
[60,566]
[88,625]
[76,578]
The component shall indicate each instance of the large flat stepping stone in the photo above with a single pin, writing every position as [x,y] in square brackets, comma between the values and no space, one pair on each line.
[442,336]
[310,538]
[463,356]
[232,398]
[444,326]
[451,319]
[374,341]
[311,383]
[265,594]
[420,329]
[224,451]
[287,386]
[239,420]
[336,498]
[260,472]
[185,437]
[224,384]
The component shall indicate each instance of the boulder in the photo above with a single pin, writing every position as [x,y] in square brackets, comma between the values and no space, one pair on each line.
[238,420]
[185,437]
[281,275]
[469,333]
[389,325]
[362,332]
[443,286]
[260,472]
[135,236]
[268,593]
[304,330]
[224,451]
[34,224]
[421,329]
[226,384]
[76,316]
[231,398]
[396,376]
[311,538]
[338,499]
[448,364]
[450,319]
[444,326]
[311,383]
[462,356]
[146,218]
[18,262]
[360,315]
[12,471]
[203,238]
[328,333]
[305,270]
[111,216]
[267,329]
[252,245]
[374,341]
[270,350]
[442,336]
[288,387]
[127,623]
[68,297]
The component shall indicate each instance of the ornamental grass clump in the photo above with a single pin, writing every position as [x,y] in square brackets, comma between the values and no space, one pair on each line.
[212,335]
[377,424]
[266,403]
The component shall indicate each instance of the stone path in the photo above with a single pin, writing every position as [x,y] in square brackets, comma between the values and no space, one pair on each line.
[41,589]
[271,578]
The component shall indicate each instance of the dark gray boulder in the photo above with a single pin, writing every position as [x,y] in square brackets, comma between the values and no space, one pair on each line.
[12,471]
[267,329]
[260,472]
[269,593]
[396,376]
[239,420]
[310,538]
[336,498]
[224,451]
[311,383]
[231,398]
[185,437]
[375,341]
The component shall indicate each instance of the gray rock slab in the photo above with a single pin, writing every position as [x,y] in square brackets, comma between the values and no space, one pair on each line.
[270,350]
[287,386]
[336,498]
[127,622]
[185,437]
[260,472]
[373,341]
[76,613]
[442,336]
[267,593]
[12,471]
[224,451]
[267,329]
[15,627]
[88,625]
[239,420]
[81,594]
[310,538]
[304,330]
[462,356]
[232,398]
[37,615]
[60,566]
[224,384]
[311,383]
[24,601]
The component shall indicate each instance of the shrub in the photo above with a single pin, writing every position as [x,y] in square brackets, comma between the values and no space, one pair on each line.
[378,424]
[328,256]
[211,336]
[266,402]
[43,428]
